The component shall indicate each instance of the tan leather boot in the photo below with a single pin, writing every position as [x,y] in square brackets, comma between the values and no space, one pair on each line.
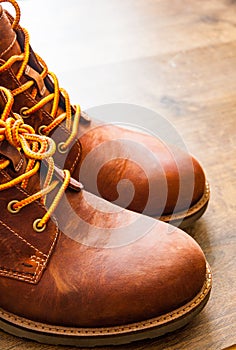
[74,268]
[167,183]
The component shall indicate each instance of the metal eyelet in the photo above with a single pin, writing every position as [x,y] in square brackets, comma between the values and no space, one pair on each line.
[40,130]
[60,148]
[22,110]
[10,207]
[36,226]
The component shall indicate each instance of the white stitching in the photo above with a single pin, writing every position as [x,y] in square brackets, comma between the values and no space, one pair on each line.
[9,47]
[39,268]
[21,238]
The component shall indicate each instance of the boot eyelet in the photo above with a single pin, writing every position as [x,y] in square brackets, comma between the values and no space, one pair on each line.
[40,130]
[60,148]
[10,207]
[36,226]
[22,112]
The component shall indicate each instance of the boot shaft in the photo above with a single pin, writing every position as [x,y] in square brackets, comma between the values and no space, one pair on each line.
[8,41]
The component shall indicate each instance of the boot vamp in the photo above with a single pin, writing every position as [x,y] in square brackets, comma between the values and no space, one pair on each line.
[138,171]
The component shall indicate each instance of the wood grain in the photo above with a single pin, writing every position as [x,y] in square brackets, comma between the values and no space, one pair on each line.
[178,58]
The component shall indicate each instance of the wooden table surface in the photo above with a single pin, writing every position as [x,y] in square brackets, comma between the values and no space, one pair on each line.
[178,58]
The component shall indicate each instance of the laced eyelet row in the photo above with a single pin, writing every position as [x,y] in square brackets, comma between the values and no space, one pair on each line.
[61,145]
[36,224]
[35,148]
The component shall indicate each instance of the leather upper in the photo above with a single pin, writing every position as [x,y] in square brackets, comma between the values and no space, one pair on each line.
[95,264]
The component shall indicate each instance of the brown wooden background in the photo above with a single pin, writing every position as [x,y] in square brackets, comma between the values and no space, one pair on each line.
[177,57]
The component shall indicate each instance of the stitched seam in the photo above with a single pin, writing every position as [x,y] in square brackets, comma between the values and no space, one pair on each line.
[40,263]
[37,259]
[39,204]
[21,190]
[39,268]
[14,272]
[77,158]
[22,276]
[54,241]
[109,330]
[9,47]
[21,238]
[188,212]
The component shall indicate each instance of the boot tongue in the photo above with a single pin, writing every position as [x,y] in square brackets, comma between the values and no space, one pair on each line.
[8,41]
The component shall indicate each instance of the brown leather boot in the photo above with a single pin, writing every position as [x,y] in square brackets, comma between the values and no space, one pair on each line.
[168,183]
[76,269]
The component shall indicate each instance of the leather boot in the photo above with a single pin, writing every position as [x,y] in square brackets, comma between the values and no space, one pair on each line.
[76,269]
[168,184]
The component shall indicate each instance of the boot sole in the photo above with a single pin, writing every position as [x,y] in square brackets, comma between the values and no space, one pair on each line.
[187,217]
[91,337]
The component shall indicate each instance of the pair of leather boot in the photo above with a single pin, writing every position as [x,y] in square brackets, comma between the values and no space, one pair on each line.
[76,269]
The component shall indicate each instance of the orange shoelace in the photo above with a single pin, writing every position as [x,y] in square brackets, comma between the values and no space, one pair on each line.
[72,124]
[35,148]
